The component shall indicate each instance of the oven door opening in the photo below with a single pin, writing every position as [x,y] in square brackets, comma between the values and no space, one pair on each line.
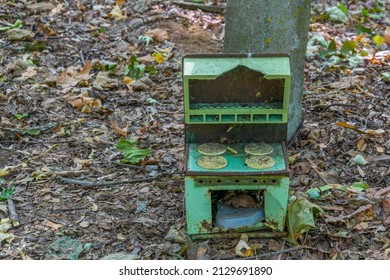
[237,209]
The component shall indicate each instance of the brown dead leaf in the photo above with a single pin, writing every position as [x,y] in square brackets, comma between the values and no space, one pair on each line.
[387,221]
[40,6]
[386,206]
[85,162]
[84,73]
[361,226]
[361,209]
[242,200]
[380,149]
[120,2]
[81,163]
[18,34]
[158,34]
[70,77]
[116,13]
[332,207]
[29,73]
[361,145]
[84,103]
[147,58]
[328,177]
[274,245]
[387,35]
[346,82]
[51,225]
[64,79]
[45,30]
[120,131]
[378,132]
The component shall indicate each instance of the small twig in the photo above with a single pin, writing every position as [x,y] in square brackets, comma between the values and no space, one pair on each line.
[82,57]
[50,38]
[280,255]
[14,217]
[382,192]
[170,113]
[71,173]
[108,184]
[281,252]
[194,6]
[37,142]
[45,152]
[128,165]
[70,209]
[337,104]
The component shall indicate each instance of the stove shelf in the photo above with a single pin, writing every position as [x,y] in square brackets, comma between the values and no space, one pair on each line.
[277,116]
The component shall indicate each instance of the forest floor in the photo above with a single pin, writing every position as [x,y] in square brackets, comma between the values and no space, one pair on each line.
[65,102]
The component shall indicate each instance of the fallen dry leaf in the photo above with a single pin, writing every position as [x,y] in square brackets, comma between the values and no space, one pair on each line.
[361,209]
[243,250]
[346,82]
[66,79]
[386,37]
[158,34]
[84,224]
[127,80]
[116,13]
[361,145]
[242,200]
[146,58]
[51,225]
[120,2]
[377,132]
[18,34]
[361,226]
[84,73]
[45,30]
[386,206]
[29,73]
[40,6]
[69,77]
[120,131]
[103,81]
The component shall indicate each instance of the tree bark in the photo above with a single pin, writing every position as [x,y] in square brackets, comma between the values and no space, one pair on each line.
[272,26]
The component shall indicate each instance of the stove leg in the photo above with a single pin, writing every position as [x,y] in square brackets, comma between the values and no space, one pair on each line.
[198,208]
[275,204]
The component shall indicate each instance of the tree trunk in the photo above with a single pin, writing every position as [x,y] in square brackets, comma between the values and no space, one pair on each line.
[272,26]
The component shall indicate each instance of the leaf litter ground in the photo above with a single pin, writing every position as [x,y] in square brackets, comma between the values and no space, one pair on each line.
[66,103]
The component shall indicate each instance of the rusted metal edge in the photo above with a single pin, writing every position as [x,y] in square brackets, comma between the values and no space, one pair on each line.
[218,174]
[235,55]
[251,234]
[284,147]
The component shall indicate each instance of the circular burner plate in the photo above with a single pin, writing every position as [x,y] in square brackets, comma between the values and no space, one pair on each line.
[212,149]
[259,162]
[212,162]
[258,149]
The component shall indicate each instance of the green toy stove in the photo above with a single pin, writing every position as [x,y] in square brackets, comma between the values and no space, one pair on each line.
[237,175]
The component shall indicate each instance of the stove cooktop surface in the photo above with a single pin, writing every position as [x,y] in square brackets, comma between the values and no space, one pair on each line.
[236,162]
